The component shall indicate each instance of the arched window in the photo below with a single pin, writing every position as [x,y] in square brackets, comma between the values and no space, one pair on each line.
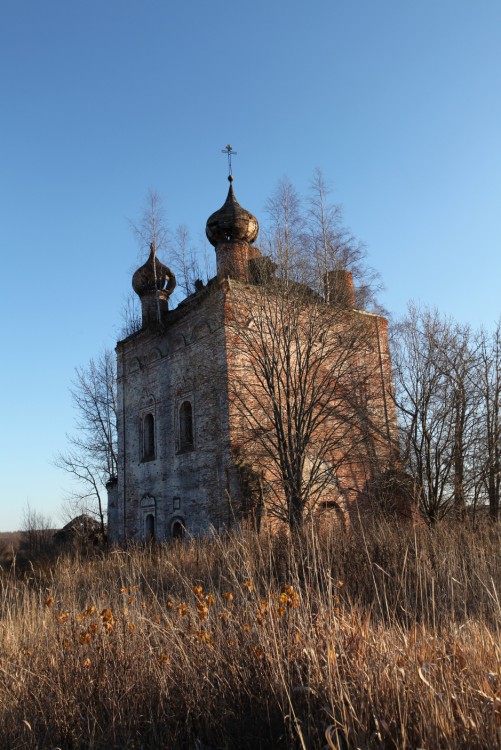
[186,426]
[149,527]
[177,530]
[148,437]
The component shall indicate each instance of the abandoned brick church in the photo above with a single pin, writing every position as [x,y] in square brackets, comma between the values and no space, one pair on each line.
[185,447]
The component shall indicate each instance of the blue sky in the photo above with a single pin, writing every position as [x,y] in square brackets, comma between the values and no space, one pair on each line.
[399,103]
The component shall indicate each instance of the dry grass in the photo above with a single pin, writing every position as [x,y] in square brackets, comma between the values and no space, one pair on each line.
[384,640]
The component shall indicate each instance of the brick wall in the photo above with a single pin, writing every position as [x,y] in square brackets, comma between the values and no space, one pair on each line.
[197,357]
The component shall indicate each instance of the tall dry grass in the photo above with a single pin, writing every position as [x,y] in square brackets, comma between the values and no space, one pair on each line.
[387,638]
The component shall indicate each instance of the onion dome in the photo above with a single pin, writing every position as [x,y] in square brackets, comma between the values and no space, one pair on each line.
[231,222]
[153,275]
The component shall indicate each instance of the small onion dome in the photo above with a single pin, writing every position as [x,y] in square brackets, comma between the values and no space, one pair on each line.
[231,222]
[143,280]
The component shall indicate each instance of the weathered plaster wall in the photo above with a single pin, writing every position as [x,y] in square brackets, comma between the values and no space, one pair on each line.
[157,372]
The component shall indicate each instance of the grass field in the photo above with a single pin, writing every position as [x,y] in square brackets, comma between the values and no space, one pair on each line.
[382,639]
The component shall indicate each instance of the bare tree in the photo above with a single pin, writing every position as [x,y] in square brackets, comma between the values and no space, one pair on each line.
[152,225]
[324,219]
[459,357]
[186,259]
[305,365]
[207,258]
[152,233]
[283,236]
[332,246]
[37,530]
[488,382]
[438,408]
[131,320]
[302,394]
[307,239]
[92,456]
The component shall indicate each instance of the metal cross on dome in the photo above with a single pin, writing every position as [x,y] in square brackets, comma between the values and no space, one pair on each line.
[229,153]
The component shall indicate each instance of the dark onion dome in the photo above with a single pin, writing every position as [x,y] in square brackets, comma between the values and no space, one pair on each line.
[231,222]
[143,280]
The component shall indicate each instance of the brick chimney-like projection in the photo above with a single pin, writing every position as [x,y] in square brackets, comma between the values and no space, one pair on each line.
[339,288]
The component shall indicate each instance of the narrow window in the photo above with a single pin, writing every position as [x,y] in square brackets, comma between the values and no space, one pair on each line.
[176,505]
[148,437]
[149,527]
[186,426]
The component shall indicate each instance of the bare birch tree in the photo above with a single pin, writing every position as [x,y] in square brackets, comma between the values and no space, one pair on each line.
[332,247]
[283,238]
[307,239]
[152,225]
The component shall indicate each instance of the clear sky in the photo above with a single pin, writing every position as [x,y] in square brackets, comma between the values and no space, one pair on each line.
[398,102]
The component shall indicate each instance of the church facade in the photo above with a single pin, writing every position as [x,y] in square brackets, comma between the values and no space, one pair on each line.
[180,432]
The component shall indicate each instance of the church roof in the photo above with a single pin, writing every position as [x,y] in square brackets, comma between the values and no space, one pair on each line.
[153,275]
[231,222]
